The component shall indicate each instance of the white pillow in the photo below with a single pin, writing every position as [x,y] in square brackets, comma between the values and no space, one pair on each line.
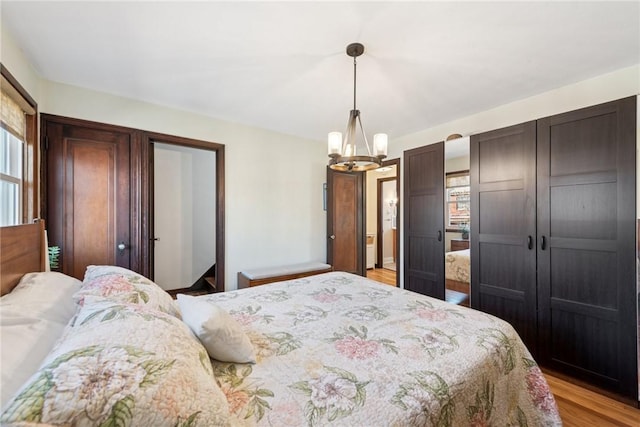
[45,295]
[32,319]
[220,334]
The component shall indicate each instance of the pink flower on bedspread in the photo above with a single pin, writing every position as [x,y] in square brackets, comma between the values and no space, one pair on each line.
[169,399]
[539,390]
[433,314]
[357,348]
[326,297]
[245,319]
[237,399]
[110,285]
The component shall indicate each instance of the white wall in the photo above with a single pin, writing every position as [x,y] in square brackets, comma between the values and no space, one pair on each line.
[457,163]
[273,182]
[18,65]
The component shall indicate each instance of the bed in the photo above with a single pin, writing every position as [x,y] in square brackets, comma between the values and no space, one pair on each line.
[331,349]
[457,273]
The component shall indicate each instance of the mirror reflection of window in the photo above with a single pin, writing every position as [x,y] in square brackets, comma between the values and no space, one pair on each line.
[458,191]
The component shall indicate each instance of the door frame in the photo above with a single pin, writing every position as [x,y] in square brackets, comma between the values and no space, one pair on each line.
[148,138]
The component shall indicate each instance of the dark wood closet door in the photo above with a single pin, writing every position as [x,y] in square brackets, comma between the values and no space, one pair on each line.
[88,195]
[503,226]
[586,251]
[345,221]
[424,220]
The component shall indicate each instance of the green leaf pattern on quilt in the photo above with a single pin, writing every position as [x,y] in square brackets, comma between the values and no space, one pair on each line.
[495,341]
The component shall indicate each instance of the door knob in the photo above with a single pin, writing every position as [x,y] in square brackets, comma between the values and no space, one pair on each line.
[122,246]
[332,237]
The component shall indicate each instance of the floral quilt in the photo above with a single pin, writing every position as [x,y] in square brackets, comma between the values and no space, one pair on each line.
[339,349]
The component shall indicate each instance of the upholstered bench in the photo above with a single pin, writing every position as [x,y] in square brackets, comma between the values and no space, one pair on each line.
[261,276]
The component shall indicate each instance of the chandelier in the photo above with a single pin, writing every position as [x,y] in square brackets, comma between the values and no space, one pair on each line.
[343,152]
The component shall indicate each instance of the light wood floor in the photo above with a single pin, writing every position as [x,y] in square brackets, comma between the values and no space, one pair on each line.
[579,407]
[382,275]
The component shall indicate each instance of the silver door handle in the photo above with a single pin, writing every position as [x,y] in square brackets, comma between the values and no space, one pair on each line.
[332,237]
[122,246]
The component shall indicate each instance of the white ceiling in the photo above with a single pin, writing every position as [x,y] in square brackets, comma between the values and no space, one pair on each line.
[282,65]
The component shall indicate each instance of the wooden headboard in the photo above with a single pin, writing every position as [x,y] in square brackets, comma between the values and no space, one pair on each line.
[22,250]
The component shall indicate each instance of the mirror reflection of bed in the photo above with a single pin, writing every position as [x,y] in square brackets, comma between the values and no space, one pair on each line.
[457,220]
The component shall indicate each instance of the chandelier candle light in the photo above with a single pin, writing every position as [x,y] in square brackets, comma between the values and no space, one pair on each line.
[343,152]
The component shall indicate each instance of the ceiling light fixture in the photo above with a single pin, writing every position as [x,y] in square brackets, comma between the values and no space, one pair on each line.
[343,153]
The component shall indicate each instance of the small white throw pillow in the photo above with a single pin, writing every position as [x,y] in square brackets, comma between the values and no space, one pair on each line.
[220,334]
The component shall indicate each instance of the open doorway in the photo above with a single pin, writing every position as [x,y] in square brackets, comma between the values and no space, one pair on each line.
[186,214]
[382,222]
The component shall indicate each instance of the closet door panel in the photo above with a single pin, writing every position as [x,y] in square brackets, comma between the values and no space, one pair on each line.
[89,192]
[424,220]
[503,269]
[511,203]
[586,218]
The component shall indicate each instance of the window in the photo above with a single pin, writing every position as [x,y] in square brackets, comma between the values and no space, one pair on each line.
[18,156]
[458,202]
[11,149]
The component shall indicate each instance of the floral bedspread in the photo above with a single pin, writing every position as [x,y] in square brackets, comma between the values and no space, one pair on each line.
[457,266]
[343,350]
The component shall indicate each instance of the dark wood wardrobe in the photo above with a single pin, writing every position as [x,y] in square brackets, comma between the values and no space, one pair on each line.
[553,212]
[553,239]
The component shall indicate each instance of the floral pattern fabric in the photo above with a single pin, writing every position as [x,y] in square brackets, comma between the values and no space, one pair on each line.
[121,284]
[122,364]
[339,349]
[457,266]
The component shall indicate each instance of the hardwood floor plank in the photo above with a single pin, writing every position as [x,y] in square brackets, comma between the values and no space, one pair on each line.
[582,407]
[382,275]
